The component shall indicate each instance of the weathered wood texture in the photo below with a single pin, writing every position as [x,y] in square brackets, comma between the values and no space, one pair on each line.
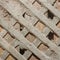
[29,29]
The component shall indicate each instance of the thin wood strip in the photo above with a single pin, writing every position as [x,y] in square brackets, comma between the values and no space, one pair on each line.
[32,29]
[55,20]
[21,38]
[27,54]
[10,49]
[44,9]
[5,53]
[24,32]
[4,32]
[50,7]
[41,17]
[14,44]
[45,20]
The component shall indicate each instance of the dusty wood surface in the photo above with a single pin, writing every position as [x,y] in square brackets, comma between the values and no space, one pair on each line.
[30,29]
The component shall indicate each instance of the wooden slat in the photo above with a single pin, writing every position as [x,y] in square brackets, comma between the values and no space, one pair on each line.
[36,43]
[32,29]
[50,7]
[51,22]
[47,30]
[10,49]
[41,17]
[14,44]
[27,54]
[21,38]
[43,32]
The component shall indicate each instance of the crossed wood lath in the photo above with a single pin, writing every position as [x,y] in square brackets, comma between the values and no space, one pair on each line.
[29,29]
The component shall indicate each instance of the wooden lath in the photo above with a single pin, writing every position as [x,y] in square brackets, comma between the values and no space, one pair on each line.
[10,49]
[16,15]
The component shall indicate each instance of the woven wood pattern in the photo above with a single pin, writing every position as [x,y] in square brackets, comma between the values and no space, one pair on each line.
[29,29]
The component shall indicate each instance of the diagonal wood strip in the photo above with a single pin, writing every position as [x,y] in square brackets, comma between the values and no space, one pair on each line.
[25,32]
[4,56]
[21,38]
[50,7]
[32,29]
[50,24]
[14,44]
[10,49]
[42,18]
